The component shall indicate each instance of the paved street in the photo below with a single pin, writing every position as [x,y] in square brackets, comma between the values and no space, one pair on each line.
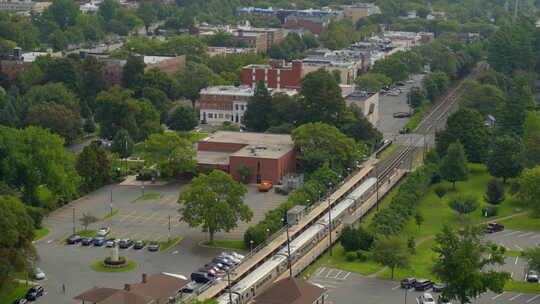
[145,219]
[351,288]
[515,239]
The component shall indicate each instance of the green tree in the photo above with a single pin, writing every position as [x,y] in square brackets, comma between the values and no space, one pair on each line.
[531,139]
[93,167]
[513,113]
[453,166]
[132,72]
[416,97]
[463,204]
[528,185]
[356,239]
[215,202]
[122,144]
[504,158]
[533,258]
[193,79]
[419,219]
[92,81]
[172,153]
[108,8]
[285,110]
[413,61]
[156,78]
[461,263]
[259,108]
[87,219]
[182,119]
[494,192]
[17,254]
[55,93]
[511,48]
[435,84]
[89,126]
[56,118]
[393,68]
[147,13]
[319,143]
[62,12]
[484,98]
[159,100]
[372,82]
[244,172]
[391,252]
[355,125]
[63,70]
[320,98]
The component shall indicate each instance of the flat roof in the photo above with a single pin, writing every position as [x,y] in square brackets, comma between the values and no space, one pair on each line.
[213,158]
[249,138]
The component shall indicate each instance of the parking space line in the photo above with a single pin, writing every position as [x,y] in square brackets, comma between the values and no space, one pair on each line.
[394,288]
[321,271]
[515,263]
[337,274]
[519,248]
[515,297]
[532,299]
[498,295]
[511,233]
[126,216]
[511,274]
[535,236]
[346,276]
[329,272]
[525,234]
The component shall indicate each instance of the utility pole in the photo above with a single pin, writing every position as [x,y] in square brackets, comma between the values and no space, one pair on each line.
[73,220]
[169,233]
[288,249]
[229,284]
[516,9]
[377,187]
[110,203]
[330,225]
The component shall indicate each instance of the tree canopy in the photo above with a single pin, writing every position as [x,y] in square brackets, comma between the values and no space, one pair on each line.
[172,153]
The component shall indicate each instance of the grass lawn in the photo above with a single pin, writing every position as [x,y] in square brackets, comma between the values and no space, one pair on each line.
[40,233]
[226,244]
[415,120]
[513,253]
[420,267]
[18,291]
[388,151]
[110,214]
[147,196]
[98,266]
[522,222]
[166,245]
[194,136]
[519,286]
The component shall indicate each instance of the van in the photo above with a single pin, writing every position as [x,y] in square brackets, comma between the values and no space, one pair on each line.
[200,277]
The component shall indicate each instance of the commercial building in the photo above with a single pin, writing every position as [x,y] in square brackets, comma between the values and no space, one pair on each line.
[16,5]
[346,62]
[291,291]
[282,14]
[253,37]
[268,156]
[313,24]
[221,50]
[218,104]
[276,75]
[368,103]
[154,288]
[360,10]
[168,64]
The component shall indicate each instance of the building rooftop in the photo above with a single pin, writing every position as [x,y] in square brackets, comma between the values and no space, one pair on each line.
[228,90]
[213,158]
[290,291]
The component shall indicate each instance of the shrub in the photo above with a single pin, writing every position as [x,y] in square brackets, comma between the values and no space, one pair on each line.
[489,211]
[464,204]
[121,260]
[362,255]
[440,191]
[494,192]
[350,256]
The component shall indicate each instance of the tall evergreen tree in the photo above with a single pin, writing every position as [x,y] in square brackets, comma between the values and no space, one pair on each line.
[453,166]
[132,72]
[259,108]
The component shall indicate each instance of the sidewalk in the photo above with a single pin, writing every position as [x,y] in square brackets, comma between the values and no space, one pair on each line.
[131,180]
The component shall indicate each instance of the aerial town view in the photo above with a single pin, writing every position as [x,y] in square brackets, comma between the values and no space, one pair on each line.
[269,151]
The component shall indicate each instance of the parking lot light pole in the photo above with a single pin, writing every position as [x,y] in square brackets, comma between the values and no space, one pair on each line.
[288,247]
[229,285]
[73,220]
[330,226]
[169,233]
[251,247]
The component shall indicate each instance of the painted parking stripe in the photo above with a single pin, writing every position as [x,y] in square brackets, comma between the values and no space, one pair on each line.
[511,233]
[321,271]
[532,299]
[515,297]
[394,288]
[346,276]
[525,234]
[337,275]
[329,272]
[498,295]
[515,263]
[518,248]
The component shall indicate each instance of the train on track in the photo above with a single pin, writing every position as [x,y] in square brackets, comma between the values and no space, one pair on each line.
[305,247]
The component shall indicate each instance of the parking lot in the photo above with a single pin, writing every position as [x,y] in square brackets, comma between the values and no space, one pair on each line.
[515,239]
[351,288]
[141,220]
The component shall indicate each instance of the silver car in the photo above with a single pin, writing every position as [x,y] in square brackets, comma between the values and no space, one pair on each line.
[426,298]
[39,274]
[103,231]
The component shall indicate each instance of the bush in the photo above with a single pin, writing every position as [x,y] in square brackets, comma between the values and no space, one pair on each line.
[464,204]
[350,256]
[494,192]
[362,255]
[121,260]
[36,214]
[489,211]
[440,191]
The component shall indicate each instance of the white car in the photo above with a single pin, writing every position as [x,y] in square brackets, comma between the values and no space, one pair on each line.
[426,298]
[532,276]
[39,274]
[232,258]
[235,254]
[103,231]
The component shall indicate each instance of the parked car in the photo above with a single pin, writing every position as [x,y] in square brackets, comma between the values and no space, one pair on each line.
[401,114]
[426,298]
[411,81]
[233,259]
[234,254]
[39,274]
[408,283]
[190,287]
[125,243]
[223,261]
[265,185]
[494,227]
[87,241]
[400,83]
[214,268]
[99,241]
[200,277]
[139,245]
[423,284]
[219,266]
[209,272]
[20,301]
[110,242]
[74,239]
[153,246]
[438,287]
[35,292]
[532,276]
[103,231]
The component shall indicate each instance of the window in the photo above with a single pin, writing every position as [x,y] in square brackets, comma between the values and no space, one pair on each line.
[210,115]
[242,107]
[236,107]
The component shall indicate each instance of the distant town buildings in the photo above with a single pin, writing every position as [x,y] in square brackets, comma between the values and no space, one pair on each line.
[268,156]
[368,102]
[276,75]
[260,39]
[360,10]
[221,50]
[16,5]
[227,103]
[90,7]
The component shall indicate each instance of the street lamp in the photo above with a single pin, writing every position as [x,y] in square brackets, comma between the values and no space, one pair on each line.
[251,247]
[142,187]
[268,234]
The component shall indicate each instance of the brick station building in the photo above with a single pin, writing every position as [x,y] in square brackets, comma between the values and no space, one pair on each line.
[276,75]
[268,156]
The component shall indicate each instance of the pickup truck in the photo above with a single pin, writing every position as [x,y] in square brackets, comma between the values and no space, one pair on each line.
[265,185]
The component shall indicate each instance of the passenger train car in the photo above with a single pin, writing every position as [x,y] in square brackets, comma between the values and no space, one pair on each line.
[256,281]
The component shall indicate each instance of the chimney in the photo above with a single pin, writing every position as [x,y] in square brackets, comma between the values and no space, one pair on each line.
[127,287]
[144,278]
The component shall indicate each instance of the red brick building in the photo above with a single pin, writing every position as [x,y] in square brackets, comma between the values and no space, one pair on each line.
[314,24]
[276,75]
[268,156]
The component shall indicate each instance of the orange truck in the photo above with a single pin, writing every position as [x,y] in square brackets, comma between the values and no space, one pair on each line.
[265,185]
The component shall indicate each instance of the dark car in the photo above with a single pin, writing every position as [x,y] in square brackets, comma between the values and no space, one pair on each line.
[74,239]
[200,277]
[494,227]
[423,284]
[438,287]
[34,293]
[210,272]
[153,246]
[189,288]
[223,261]
[408,283]
[87,241]
[99,241]
[214,268]
[20,301]
[139,245]
[125,243]
[401,114]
